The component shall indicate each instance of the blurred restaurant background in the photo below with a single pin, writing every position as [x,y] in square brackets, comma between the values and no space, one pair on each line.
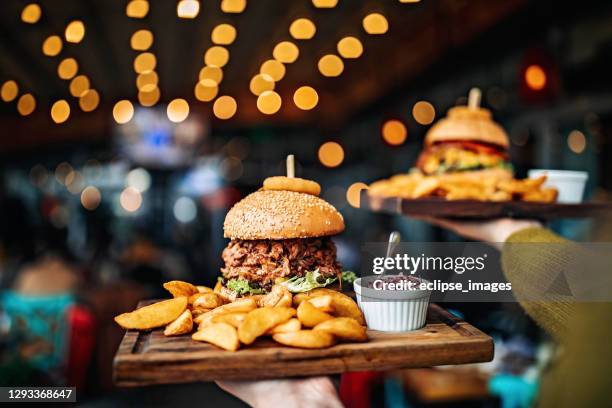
[130,127]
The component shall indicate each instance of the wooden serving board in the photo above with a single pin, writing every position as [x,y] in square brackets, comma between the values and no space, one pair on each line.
[473,209]
[147,358]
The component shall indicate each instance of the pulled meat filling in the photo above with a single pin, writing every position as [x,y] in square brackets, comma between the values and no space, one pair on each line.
[263,261]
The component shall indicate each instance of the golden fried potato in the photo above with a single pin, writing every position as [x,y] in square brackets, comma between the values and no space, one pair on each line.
[180,288]
[344,328]
[499,196]
[310,339]
[197,311]
[279,295]
[220,334]
[547,195]
[258,321]
[182,325]
[426,187]
[152,316]
[241,306]
[208,301]
[323,303]
[310,316]
[234,319]
[292,184]
[204,289]
[291,325]
[343,305]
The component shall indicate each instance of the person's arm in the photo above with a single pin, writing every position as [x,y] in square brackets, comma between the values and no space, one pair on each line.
[531,270]
[288,393]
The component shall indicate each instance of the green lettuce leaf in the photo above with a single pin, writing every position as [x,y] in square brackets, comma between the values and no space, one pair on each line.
[242,287]
[307,282]
[348,276]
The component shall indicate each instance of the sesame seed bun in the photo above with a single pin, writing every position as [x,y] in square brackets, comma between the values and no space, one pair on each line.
[271,214]
[465,124]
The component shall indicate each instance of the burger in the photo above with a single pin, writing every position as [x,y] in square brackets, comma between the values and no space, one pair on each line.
[280,237]
[467,143]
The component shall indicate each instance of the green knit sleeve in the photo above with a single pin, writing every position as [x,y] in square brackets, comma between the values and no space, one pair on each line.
[532,271]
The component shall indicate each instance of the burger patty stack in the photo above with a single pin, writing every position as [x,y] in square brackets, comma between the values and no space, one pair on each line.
[281,234]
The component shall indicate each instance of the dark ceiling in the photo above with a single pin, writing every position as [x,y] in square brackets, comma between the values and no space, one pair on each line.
[418,35]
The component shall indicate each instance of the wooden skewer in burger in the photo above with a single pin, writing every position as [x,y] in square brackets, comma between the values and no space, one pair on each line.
[281,234]
[466,144]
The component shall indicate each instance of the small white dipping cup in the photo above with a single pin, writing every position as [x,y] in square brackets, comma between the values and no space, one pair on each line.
[392,311]
[569,183]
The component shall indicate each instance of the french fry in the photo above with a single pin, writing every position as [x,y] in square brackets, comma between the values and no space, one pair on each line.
[152,316]
[291,325]
[258,321]
[233,319]
[179,288]
[309,339]
[182,325]
[310,316]
[221,335]
[344,328]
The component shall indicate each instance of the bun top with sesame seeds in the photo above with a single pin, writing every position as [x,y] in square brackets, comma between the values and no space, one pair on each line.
[279,214]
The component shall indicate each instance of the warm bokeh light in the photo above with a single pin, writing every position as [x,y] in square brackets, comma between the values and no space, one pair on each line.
[60,111]
[331,154]
[331,65]
[52,46]
[409,1]
[90,198]
[223,34]
[535,77]
[31,13]
[145,62]
[233,6]
[269,102]
[63,171]
[75,31]
[275,69]
[225,107]
[375,23]
[261,83]
[147,81]
[130,199]
[353,194]
[68,68]
[206,90]
[89,100]
[350,47]
[177,110]
[217,56]
[137,9]
[305,98]
[423,112]
[212,73]
[302,29]
[325,3]
[576,141]
[149,98]
[26,104]
[188,8]
[79,85]
[138,178]
[9,90]
[75,184]
[123,111]
[141,40]
[286,52]
[394,132]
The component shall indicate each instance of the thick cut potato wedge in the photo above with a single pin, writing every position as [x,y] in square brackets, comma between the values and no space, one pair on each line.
[220,334]
[182,325]
[278,296]
[239,306]
[180,288]
[152,316]
[208,301]
[344,328]
[343,305]
[310,339]
[204,289]
[310,316]
[290,326]
[259,321]
[233,319]
[323,303]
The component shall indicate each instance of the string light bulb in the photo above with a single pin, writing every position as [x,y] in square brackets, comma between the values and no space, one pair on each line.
[302,29]
[188,8]
[375,24]
[350,47]
[224,107]
[75,31]
[31,13]
[330,65]
[177,110]
[123,111]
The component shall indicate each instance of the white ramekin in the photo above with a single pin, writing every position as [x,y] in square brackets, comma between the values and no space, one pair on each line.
[392,311]
[569,183]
